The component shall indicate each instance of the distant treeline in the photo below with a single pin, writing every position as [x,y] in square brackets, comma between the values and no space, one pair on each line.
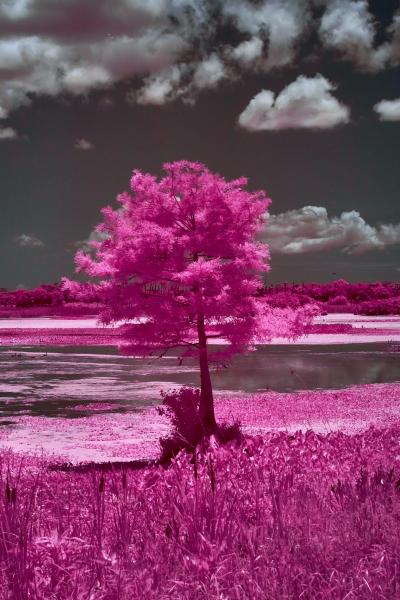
[378,298]
[55,294]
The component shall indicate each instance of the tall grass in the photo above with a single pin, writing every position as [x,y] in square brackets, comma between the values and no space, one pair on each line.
[300,516]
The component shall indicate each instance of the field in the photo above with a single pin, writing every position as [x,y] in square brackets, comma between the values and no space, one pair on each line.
[278,517]
[305,505]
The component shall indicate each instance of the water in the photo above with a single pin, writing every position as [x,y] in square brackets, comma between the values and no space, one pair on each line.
[69,381]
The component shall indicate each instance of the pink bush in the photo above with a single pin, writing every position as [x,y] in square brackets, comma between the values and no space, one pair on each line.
[182,409]
[340,300]
[377,298]
[390,306]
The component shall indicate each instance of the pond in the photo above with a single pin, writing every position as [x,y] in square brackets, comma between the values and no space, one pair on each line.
[67,381]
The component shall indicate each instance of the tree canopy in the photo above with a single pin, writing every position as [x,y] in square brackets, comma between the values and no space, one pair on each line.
[181,266]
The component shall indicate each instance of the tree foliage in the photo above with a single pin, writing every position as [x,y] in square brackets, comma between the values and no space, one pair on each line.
[182,247]
[181,266]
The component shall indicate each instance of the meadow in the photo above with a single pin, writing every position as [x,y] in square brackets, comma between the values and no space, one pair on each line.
[303,503]
[274,517]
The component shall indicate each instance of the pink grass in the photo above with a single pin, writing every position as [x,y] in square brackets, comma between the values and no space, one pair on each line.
[300,516]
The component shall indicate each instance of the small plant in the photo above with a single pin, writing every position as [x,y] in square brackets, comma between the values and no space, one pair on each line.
[182,408]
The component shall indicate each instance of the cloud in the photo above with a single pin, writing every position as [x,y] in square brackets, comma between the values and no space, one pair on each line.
[7,133]
[248,53]
[181,81]
[79,46]
[348,27]
[159,89]
[388,110]
[28,65]
[87,245]
[310,229]
[74,21]
[150,52]
[28,241]
[281,22]
[83,144]
[394,45]
[84,78]
[305,103]
[209,72]
[172,46]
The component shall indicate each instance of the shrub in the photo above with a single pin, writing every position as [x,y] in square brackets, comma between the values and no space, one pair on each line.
[181,407]
[339,300]
[390,306]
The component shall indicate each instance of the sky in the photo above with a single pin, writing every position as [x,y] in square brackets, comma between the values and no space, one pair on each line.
[300,96]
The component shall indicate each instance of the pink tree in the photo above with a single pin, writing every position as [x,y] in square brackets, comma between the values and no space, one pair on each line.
[181,266]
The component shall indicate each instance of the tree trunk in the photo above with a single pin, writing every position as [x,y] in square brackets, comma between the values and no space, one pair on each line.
[206,408]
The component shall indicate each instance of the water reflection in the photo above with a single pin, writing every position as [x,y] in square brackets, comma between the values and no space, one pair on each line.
[61,381]
[292,368]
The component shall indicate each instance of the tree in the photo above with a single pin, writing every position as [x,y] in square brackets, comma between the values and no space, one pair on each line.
[181,266]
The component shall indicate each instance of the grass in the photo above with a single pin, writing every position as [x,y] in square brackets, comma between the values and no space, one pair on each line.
[300,516]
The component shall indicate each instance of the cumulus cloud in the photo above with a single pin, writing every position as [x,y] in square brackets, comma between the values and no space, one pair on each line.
[83,144]
[310,229]
[87,245]
[394,46]
[150,52]
[305,103]
[28,241]
[75,47]
[70,46]
[248,53]
[86,77]
[348,27]
[209,72]
[281,22]
[28,65]
[181,81]
[159,89]
[74,21]
[388,110]
[7,133]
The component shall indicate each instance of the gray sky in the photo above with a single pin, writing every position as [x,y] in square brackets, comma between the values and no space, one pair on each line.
[302,97]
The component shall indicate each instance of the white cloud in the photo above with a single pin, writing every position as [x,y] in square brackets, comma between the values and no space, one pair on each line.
[48,52]
[83,144]
[73,21]
[151,52]
[79,46]
[209,72]
[305,103]
[8,133]
[310,229]
[248,53]
[388,110]
[160,89]
[28,65]
[394,45]
[348,27]
[84,78]
[28,241]
[94,237]
[283,22]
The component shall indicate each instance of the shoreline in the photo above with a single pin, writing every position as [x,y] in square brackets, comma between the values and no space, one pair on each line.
[120,437]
